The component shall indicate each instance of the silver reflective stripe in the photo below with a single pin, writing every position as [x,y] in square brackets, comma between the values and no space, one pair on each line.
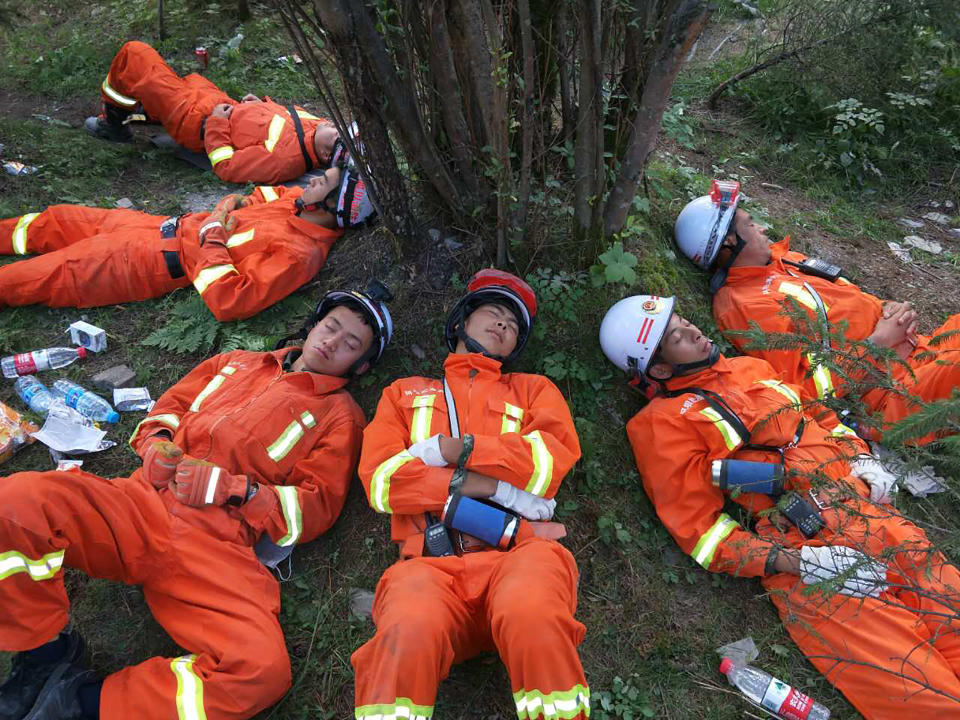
[168,419]
[512,415]
[212,485]
[240,238]
[189,689]
[560,704]
[211,386]
[224,152]
[292,514]
[20,233]
[399,709]
[707,544]
[284,444]
[210,275]
[118,98]
[44,568]
[274,132]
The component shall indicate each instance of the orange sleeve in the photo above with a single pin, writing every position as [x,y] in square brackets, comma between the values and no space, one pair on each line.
[394,480]
[253,163]
[541,453]
[313,496]
[674,463]
[268,193]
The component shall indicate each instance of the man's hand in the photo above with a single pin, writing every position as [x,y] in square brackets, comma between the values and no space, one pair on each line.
[478,486]
[787,561]
[450,448]
[250,97]
[160,463]
[221,213]
[222,110]
[198,483]
[896,330]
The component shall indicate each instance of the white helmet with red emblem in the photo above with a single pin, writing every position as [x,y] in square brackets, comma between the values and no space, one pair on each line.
[632,329]
[704,223]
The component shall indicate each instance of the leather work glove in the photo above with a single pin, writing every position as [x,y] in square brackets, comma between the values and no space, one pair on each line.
[428,451]
[865,577]
[882,482]
[198,483]
[160,463]
[528,505]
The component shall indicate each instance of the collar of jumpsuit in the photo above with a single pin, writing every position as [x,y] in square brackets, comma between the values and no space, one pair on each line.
[721,368]
[749,272]
[458,366]
[321,384]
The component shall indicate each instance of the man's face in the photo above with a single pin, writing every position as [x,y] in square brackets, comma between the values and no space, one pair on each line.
[682,343]
[323,139]
[336,342]
[757,249]
[495,327]
[320,186]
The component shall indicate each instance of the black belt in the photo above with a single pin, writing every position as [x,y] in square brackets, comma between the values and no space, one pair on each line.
[168,230]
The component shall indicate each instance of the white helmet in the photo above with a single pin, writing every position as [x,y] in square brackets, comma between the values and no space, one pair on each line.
[703,223]
[632,330]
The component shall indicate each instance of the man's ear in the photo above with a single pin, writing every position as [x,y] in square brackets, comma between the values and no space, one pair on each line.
[660,371]
[362,369]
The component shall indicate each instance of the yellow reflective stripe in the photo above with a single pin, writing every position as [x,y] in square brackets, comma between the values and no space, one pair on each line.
[273,132]
[800,294]
[422,417]
[560,704]
[228,370]
[169,419]
[20,233]
[307,419]
[13,562]
[822,379]
[380,483]
[542,464]
[787,392]
[210,275]
[512,415]
[399,709]
[224,152]
[730,436]
[240,238]
[292,515]
[304,115]
[211,386]
[269,194]
[118,98]
[842,430]
[284,444]
[189,689]
[707,544]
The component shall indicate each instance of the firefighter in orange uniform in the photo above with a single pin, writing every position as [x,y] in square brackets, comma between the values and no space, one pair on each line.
[251,141]
[860,589]
[433,448]
[246,255]
[754,279]
[244,458]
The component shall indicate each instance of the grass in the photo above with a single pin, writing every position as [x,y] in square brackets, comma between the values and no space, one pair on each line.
[653,616]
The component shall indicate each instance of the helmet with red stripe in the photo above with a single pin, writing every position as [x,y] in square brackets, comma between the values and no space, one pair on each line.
[632,329]
[493,287]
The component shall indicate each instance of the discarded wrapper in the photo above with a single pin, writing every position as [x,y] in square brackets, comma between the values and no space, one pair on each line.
[14,432]
[12,167]
[132,399]
[742,652]
[65,465]
[71,439]
[89,336]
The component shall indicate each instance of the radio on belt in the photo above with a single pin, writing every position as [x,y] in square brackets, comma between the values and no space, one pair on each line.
[89,336]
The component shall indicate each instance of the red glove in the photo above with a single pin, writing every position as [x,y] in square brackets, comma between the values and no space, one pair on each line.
[160,463]
[198,483]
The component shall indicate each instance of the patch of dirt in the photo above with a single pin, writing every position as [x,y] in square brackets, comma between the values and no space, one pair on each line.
[71,111]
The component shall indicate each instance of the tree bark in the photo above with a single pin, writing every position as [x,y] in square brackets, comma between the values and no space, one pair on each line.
[589,138]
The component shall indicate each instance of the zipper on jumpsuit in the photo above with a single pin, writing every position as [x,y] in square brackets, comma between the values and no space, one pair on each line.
[246,405]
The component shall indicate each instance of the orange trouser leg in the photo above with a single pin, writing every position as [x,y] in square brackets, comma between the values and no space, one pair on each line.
[139,75]
[424,625]
[120,266]
[60,226]
[530,604]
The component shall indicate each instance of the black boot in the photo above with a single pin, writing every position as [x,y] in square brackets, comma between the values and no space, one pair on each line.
[109,124]
[59,698]
[27,677]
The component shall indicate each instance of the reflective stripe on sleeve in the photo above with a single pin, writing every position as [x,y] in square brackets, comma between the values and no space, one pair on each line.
[422,417]
[801,295]
[399,709]
[209,275]
[784,390]
[189,689]
[224,152]
[168,419]
[707,544]
[119,98]
[532,704]
[822,379]
[512,415]
[380,484]
[211,386]
[269,194]
[20,233]
[273,132]
[240,238]
[13,562]
[730,436]
[284,444]
[542,464]
[292,515]
[842,430]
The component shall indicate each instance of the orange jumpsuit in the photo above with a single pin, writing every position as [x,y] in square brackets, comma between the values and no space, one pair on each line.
[871,649]
[296,433]
[431,612]
[257,143]
[93,256]
[757,294]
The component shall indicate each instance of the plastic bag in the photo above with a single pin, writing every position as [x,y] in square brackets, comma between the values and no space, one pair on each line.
[13,432]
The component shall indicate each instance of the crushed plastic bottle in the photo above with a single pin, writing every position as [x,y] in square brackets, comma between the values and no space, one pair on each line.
[35,394]
[773,694]
[85,402]
[40,360]
[12,167]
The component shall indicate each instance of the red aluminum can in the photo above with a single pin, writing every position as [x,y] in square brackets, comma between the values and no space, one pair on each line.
[201,54]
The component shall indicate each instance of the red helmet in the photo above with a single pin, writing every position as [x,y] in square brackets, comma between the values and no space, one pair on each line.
[493,286]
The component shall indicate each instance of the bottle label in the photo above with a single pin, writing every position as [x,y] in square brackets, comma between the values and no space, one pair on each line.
[24,364]
[29,391]
[72,395]
[786,702]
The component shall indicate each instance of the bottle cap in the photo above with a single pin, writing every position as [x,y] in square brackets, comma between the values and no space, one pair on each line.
[726,665]
[113,417]
[81,352]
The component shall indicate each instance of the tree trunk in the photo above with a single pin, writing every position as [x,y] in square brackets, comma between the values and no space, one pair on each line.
[589,136]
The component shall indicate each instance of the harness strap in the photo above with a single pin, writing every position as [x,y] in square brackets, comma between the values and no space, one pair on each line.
[298,126]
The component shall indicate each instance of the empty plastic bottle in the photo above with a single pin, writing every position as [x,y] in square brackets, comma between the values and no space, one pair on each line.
[85,402]
[35,394]
[38,360]
[773,694]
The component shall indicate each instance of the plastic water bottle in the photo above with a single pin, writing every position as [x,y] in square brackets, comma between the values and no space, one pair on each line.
[35,394]
[38,360]
[84,401]
[771,693]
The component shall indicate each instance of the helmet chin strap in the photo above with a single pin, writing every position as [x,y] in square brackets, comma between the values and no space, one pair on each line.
[686,368]
[473,346]
[720,275]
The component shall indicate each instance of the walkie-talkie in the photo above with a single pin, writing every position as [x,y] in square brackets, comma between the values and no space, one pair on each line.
[436,538]
[817,268]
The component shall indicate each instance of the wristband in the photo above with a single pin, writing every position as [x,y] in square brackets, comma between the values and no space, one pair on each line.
[769,567]
[238,500]
[465,453]
[457,479]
